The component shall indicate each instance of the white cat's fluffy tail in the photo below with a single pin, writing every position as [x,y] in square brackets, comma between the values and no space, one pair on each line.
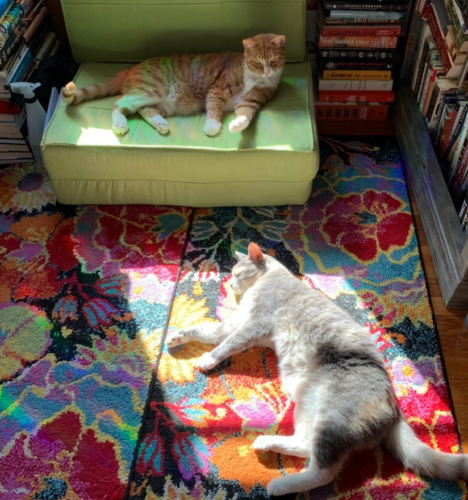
[403,443]
[72,95]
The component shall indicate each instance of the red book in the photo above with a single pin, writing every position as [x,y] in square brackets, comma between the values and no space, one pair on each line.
[350,111]
[361,96]
[361,31]
[14,110]
[359,42]
[439,38]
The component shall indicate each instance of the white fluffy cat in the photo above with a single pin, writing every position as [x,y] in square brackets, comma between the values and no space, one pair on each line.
[330,367]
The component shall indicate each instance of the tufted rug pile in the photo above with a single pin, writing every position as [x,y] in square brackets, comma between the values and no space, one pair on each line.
[93,406]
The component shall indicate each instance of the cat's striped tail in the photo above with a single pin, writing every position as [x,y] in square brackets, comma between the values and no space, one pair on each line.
[403,443]
[72,95]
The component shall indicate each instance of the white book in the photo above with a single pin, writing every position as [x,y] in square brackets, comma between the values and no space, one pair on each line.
[355,84]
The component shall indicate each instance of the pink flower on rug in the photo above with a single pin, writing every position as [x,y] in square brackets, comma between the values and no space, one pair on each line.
[367,224]
[256,413]
[67,453]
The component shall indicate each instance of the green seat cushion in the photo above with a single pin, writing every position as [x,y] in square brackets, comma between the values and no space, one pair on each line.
[272,162]
[125,31]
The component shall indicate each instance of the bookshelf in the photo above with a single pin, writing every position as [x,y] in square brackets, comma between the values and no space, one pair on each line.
[447,241]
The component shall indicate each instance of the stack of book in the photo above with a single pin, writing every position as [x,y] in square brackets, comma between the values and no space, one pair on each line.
[447,24]
[437,82]
[25,40]
[357,57]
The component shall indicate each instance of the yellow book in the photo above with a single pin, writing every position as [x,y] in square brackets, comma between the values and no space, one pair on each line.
[339,74]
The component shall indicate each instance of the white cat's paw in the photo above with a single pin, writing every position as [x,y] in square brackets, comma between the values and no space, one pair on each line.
[161,125]
[207,362]
[176,338]
[262,443]
[281,486]
[212,127]
[238,124]
[120,128]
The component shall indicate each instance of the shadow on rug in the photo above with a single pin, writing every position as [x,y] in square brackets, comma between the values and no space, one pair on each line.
[85,296]
[354,241]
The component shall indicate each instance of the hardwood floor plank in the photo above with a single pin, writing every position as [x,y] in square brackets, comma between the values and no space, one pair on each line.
[453,335]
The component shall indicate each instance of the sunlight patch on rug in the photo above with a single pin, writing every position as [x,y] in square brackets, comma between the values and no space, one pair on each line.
[354,241]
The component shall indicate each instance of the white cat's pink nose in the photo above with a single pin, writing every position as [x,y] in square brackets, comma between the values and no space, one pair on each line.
[266,71]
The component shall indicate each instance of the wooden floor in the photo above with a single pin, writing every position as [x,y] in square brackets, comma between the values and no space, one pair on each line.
[453,335]
[450,323]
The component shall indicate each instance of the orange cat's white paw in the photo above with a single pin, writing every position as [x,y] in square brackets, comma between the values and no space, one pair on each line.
[212,127]
[120,128]
[161,125]
[238,124]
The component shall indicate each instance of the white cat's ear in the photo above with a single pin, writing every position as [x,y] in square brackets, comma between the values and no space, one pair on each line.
[249,43]
[279,40]
[240,256]
[255,254]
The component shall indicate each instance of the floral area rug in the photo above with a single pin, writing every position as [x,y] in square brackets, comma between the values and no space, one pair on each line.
[94,407]
[84,299]
[353,241]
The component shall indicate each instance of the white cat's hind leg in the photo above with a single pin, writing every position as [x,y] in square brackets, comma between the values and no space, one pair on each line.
[206,332]
[311,478]
[288,445]
[297,445]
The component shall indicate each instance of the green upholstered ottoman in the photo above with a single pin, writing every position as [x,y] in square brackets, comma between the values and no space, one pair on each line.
[273,162]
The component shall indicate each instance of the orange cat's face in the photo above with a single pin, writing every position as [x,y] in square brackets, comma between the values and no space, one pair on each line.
[265,54]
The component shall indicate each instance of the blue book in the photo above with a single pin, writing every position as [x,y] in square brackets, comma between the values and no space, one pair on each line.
[22,67]
[368,14]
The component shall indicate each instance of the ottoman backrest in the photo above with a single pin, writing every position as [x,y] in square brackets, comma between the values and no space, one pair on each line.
[133,30]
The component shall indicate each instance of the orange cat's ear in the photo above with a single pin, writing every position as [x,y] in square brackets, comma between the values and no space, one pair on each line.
[249,43]
[279,40]
[255,254]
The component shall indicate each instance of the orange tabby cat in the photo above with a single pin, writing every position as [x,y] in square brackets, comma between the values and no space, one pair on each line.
[189,83]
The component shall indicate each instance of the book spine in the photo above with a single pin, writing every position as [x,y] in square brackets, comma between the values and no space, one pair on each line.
[356,75]
[359,55]
[456,189]
[439,39]
[350,112]
[455,132]
[418,52]
[4,7]
[10,22]
[419,68]
[35,24]
[44,50]
[457,175]
[387,6]
[350,96]
[457,29]
[339,21]
[353,65]
[21,68]
[427,95]
[355,85]
[463,6]
[457,153]
[423,87]
[359,31]
[12,43]
[433,118]
[383,42]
